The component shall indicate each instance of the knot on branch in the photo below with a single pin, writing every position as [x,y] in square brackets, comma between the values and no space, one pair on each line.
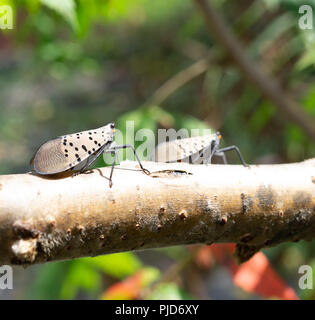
[24,251]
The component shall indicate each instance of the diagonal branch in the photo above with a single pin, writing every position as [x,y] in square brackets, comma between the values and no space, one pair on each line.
[52,219]
[268,86]
[177,81]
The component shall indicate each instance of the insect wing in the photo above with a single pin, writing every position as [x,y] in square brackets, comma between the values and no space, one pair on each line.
[182,148]
[70,151]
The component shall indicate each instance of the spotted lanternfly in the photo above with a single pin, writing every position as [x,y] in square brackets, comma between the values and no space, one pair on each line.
[77,151]
[200,147]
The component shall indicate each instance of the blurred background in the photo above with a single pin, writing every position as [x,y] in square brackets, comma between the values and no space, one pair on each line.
[72,65]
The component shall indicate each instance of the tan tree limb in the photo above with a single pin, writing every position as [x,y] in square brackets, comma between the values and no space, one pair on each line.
[178,80]
[268,86]
[52,219]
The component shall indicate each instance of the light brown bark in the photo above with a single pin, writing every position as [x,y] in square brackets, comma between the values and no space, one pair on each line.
[51,219]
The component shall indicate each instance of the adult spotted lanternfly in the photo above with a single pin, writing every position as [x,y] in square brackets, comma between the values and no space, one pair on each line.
[77,151]
[201,147]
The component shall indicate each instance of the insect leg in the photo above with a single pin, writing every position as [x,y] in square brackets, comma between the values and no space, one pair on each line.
[117,156]
[237,151]
[222,155]
[112,170]
[213,151]
[135,153]
[114,154]
[93,158]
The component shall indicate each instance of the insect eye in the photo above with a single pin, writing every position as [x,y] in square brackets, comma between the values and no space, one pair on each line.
[112,125]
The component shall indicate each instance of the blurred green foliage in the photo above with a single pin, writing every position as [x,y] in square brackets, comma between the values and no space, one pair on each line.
[68,278]
[75,64]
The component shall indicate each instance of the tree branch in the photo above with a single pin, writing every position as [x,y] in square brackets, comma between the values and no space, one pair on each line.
[268,86]
[177,81]
[51,219]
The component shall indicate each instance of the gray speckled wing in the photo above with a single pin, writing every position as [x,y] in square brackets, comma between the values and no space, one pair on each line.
[70,151]
[182,148]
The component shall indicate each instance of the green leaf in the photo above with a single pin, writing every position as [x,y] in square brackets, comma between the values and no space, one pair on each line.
[168,291]
[129,124]
[309,99]
[307,59]
[118,265]
[150,274]
[66,8]
[271,33]
[272,4]
[261,117]
[189,122]
[49,281]
[141,11]
[80,276]
[296,142]
[161,116]
[141,117]
[176,252]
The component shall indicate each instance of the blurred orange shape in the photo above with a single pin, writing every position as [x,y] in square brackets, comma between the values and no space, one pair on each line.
[127,289]
[257,276]
[130,288]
